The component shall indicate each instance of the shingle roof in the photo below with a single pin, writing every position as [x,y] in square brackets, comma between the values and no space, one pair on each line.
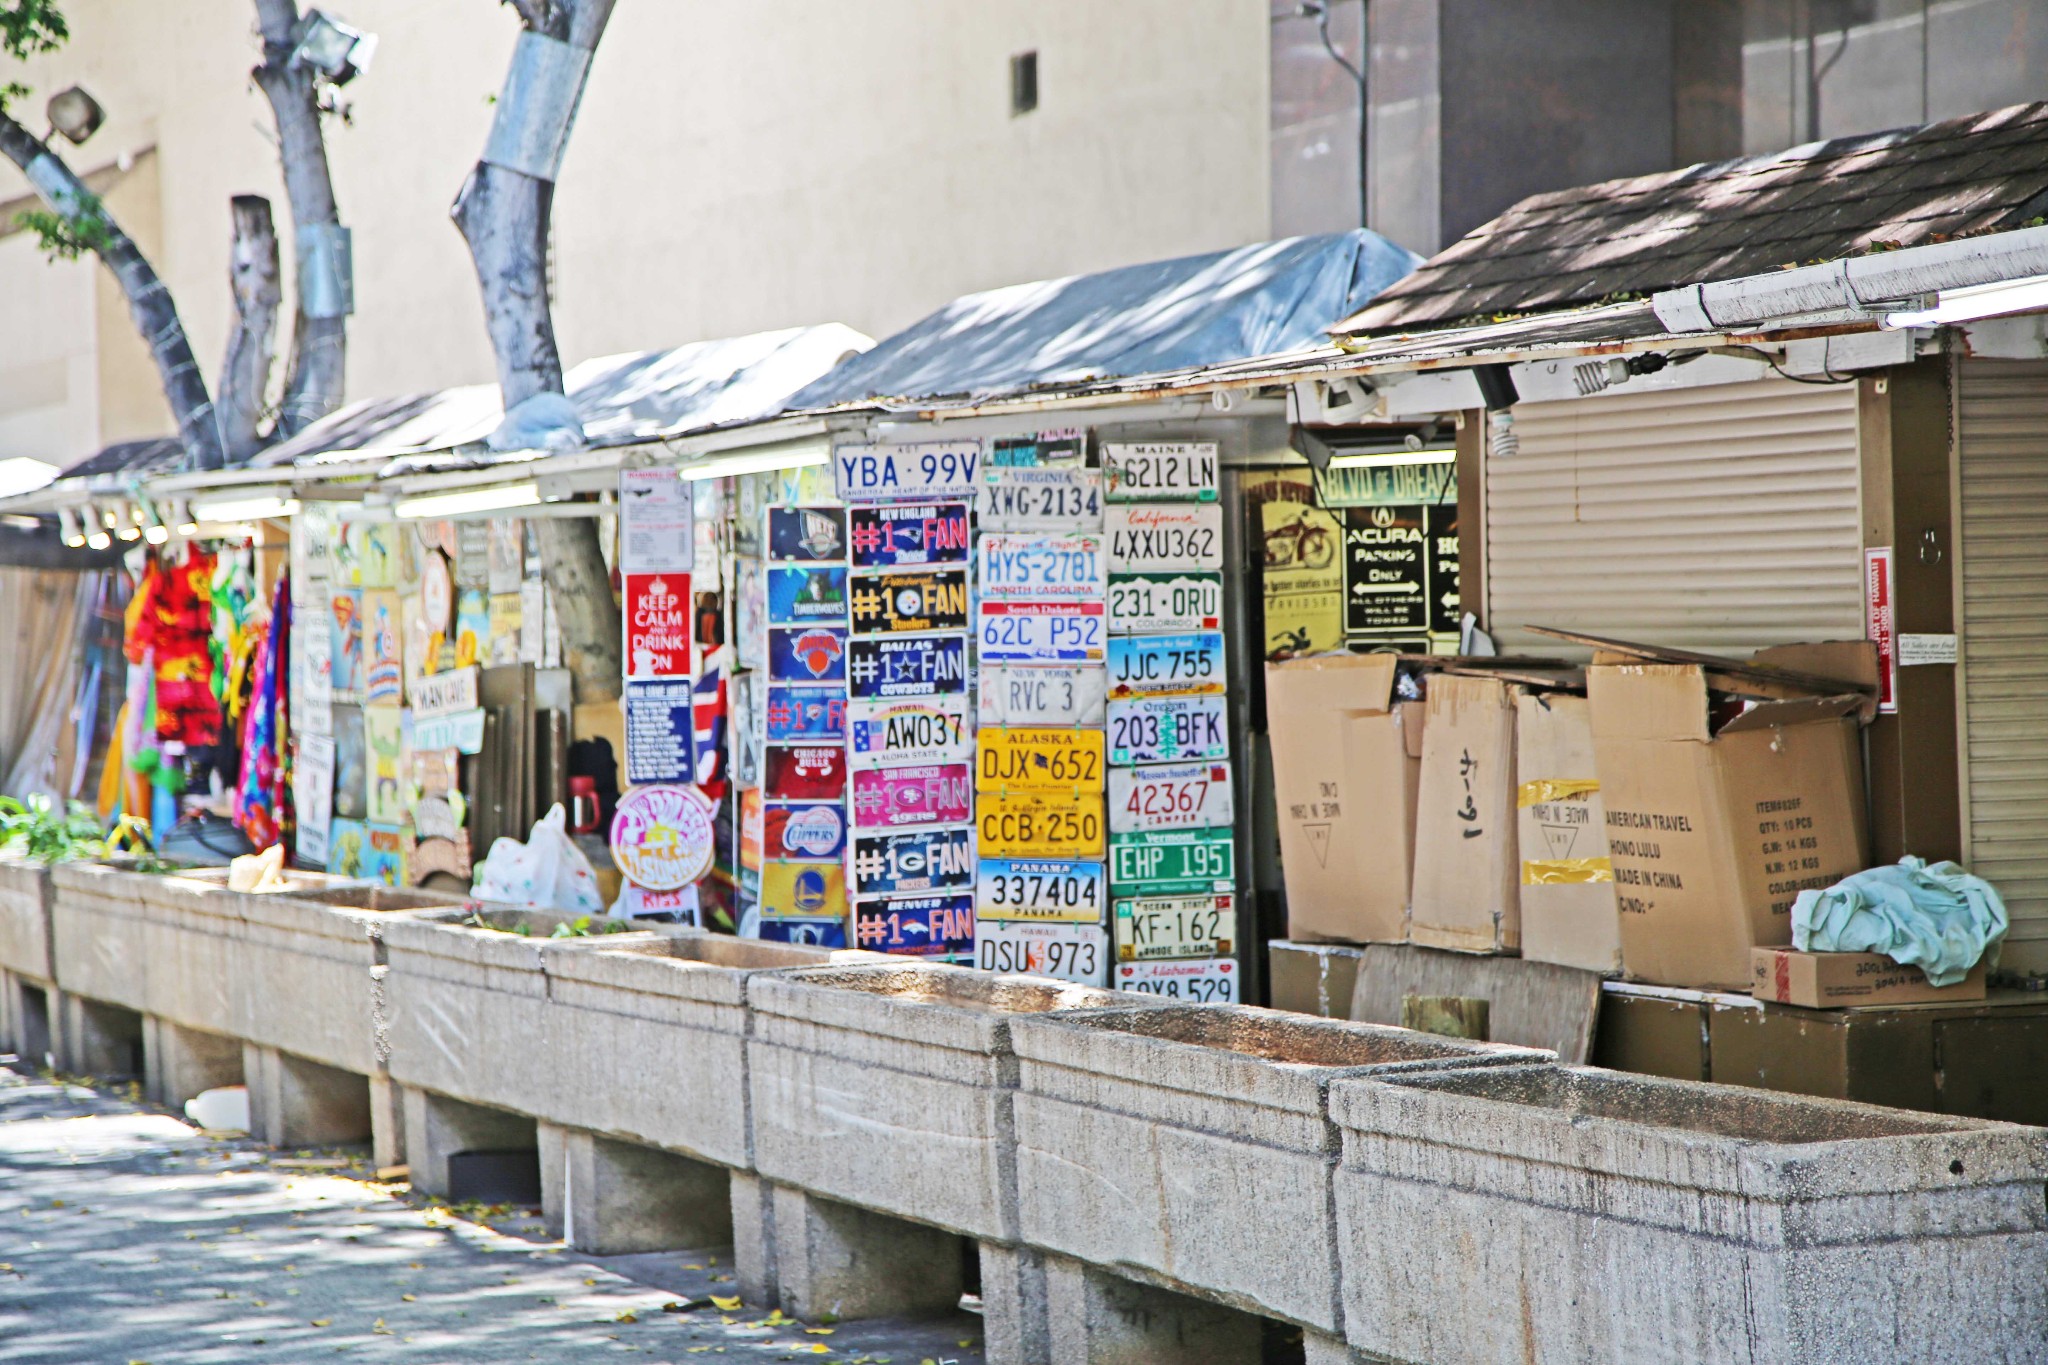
[1820,202]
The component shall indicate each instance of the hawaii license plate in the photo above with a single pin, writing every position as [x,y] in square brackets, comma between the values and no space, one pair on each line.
[1154,537]
[1066,952]
[927,794]
[916,860]
[1166,472]
[1170,796]
[1051,632]
[1160,603]
[932,469]
[1057,499]
[907,666]
[909,599]
[1041,694]
[1153,927]
[1168,730]
[1039,889]
[889,734]
[1173,862]
[1038,758]
[1041,568]
[1037,824]
[1166,665]
[916,926]
[1210,982]
[922,533]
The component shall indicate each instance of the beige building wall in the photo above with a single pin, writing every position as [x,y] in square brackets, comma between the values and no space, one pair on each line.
[734,168]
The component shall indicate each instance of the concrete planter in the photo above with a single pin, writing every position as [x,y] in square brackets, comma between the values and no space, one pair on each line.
[1571,1214]
[1190,1145]
[105,933]
[25,920]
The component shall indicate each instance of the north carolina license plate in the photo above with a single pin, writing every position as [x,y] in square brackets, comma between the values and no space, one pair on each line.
[922,533]
[916,926]
[1038,824]
[795,714]
[1173,862]
[1041,694]
[917,860]
[889,734]
[1161,471]
[932,469]
[928,794]
[1212,982]
[1038,758]
[907,666]
[1170,796]
[1047,631]
[1039,889]
[1166,665]
[909,599]
[1153,537]
[1168,730]
[1151,927]
[1059,499]
[1067,952]
[1158,603]
[1040,568]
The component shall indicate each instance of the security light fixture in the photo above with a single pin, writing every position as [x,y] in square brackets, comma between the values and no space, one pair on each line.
[70,528]
[336,50]
[1496,387]
[75,114]
[436,506]
[254,508]
[99,527]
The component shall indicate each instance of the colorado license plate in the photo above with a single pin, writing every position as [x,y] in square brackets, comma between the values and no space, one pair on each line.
[1175,862]
[1159,603]
[1166,665]
[907,666]
[1213,982]
[933,469]
[1153,537]
[1168,730]
[916,926]
[1060,499]
[909,599]
[1038,759]
[1047,631]
[1041,694]
[916,860]
[888,734]
[1041,568]
[1067,952]
[1161,471]
[1152,927]
[1039,889]
[1170,796]
[928,794]
[1037,824]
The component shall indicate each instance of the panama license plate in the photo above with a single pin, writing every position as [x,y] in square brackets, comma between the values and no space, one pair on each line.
[1041,568]
[1153,927]
[1038,758]
[1026,499]
[916,860]
[931,469]
[1041,694]
[906,666]
[1166,665]
[1209,982]
[889,734]
[1170,796]
[1174,862]
[1038,824]
[909,599]
[1051,632]
[1039,889]
[1067,952]
[1154,537]
[1168,730]
[1161,471]
[1162,603]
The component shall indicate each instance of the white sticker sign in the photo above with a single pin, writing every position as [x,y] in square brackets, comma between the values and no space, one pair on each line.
[1154,537]
[1041,694]
[443,694]
[888,473]
[655,522]
[1064,498]
[313,793]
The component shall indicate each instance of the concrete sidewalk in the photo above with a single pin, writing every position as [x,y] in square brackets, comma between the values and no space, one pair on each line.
[126,1236]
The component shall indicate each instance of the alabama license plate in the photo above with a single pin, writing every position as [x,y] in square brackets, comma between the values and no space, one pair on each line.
[1041,568]
[1154,537]
[1067,952]
[1211,982]
[1039,889]
[1056,499]
[1038,758]
[1037,824]
[1166,665]
[1041,694]
[1153,927]
[896,537]
[909,599]
[932,469]
[1170,796]
[916,926]
[1168,730]
[926,794]
[890,734]
[907,666]
[1174,862]
[1050,632]
[916,860]
[1161,603]
[1169,472]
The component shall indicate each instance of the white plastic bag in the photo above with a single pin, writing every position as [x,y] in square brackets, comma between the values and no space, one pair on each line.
[548,871]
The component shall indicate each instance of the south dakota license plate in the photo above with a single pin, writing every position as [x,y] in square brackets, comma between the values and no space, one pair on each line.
[1047,631]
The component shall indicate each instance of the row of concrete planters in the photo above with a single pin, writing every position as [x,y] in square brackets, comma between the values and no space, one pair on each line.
[1194,1146]
[152,944]
[1573,1214]
[25,920]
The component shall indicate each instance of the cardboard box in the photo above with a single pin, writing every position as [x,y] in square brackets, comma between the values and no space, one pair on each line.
[1345,764]
[1568,906]
[1714,830]
[1468,874]
[1312,978]
[1825,981]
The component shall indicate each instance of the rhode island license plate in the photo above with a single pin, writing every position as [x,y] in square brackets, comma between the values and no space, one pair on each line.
[1152,927]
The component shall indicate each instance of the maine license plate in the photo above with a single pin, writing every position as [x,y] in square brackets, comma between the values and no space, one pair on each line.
[1052,632]
[890,734]
[1041,694]
[1039,889]
[1067,952]
[918,860]
[1168,730]
[895,537]
[909,599]
[1159,603]
[1165,665]
[1041,568]
[1153,927]
[928,794]
[1212,982]
[916,926]
[1037,824]
[1026,499]
[1154,537]
[1161,472]
[1177,862]
[1170,796]
[1039,759]
[933,469]
[907,666]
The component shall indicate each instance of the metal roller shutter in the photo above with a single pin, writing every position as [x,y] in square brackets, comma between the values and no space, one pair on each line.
[1722,518]
[2003,509]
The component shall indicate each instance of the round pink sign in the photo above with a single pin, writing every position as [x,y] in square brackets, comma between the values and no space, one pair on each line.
[661,836]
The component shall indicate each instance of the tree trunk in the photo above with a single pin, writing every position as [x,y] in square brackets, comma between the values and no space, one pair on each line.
[149,303]
[245,376]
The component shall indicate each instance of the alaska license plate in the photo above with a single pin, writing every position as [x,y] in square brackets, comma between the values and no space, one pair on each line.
[1055,499]
[1066,952]
[916,926]
[1041,694]
[1038,758]
[1039,889]
[1212,982]
[1038,824]
[907,666]
[927,794]
[1168,730]
[1154,927]
[1041,568]
[1173,862]
[1170,796]
[1161,471]
[909,599]
[1162,603]
[931,469]
[1050,632]
[1166,665]
[898,537]
[916,860]
[889,734]
[1156,537]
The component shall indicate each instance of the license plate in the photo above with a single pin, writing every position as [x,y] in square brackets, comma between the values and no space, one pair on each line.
[1213,982]
[890,734]
[893,537]
[1153,927]
[927,794]
[1041,568]
[1168,730]
[1173,862]
[1039,889]
[1170,796]
[1066,952]
[932,469]
[807,654]
[805,832]
[806,534]
[803,890]
[1051,632]
[1041,694]
[1059,499]
[907,666]
[811,933]
[1159,603]
[1166,472]
[921,860]
[1166,665]
[805,772]
[1038,759]
[916,926]
[927,599]
[1155,537]
[795,714]
[1040,824]
[799,594]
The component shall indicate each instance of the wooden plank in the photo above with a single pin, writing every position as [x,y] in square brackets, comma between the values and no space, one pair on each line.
[1533,1004]
[1732,673]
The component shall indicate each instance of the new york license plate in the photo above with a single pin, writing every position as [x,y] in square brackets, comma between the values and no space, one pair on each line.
[1166,665]
[1041,568]
[916,860]
[927,794]
[907,666]
[1038,758]
[1173,862]
[1039,889]
[1041,694]
[1162,471]
[1168,730]
[909,599]
[932,469]
[1038,824]
[1044,631]
[1154,927]
[1170,796]
[1154,537]
[1210,982]
[1161,603]
[1026,499]
[1067,952]
[889,734]
[916,926]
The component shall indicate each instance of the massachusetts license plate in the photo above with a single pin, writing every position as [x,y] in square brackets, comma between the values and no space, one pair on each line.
[1160,603]
[933,469]
[1153,927]
[1168,730]
[799,594]
[1039,889]
[1038,824]
[1067,952]
[1058,499]
[1161,471]
[907,666]
[927,794]
[1041,568]
[916,926]
[1155,537]
[796,714]
[1038,758]
[1041,694]
[1170,796]
[921,533]
[1178,862]
[909,599]
[1166,665]
[917,860]
[1212,982]
[890,734]
[1051,632]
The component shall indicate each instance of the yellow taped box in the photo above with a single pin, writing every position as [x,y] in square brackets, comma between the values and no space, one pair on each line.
[1825,981]
[1568,906]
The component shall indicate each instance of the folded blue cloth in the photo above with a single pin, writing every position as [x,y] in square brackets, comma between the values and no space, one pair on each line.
[1934,916]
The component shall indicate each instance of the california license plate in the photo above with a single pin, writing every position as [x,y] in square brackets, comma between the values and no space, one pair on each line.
[916,860]
[1152,927]
[932,469]
[1041,694]
[896,537]
[1175,862]
[927,794]
[909,599]
[1161,603]
[1168,472]
[1168,730]
[1041,568]
[1066,952]
[1039,889]
[1166,665]
[1170,796]
[916,926]
[1038,824]
[1210,982]
[890,734]
[907,666]
[1050,632]
[1038,758]
[1055,499]
[1155,537]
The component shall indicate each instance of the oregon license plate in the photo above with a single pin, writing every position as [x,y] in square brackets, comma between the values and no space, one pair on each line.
[922,533]
[1166,665]
[915,860]
[1173,862]
[1210,982]
[1067,952]
[1151,927]
[916,926]
[1168,730]
[1042,499]
[1041,694]
[906,666]
[909,599]
[1161,603]
[1038,824]
[1039,889]
[1038,758]
[1168,471]
[1151,537]
[1170,796]
[932,469]
[888,734]
[1051,632]
[1041,568]
[927,794]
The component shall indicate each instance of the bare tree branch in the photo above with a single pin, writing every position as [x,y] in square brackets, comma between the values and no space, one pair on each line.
[245,376]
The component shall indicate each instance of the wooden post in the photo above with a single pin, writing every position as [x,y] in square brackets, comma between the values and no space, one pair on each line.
[1453,1016]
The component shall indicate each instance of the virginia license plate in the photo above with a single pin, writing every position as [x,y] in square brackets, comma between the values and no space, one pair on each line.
[917,860]
[1056,499]
[1177,862]
[1168,730]
[927,794]
[1043,631]
[888,734]
[1161,471]
[1154,537]
[1152,927]
[923,533]
[1038,758]
[1040,568]
[1067,952]
[1166,665]
[1041,694]
[916,926]
[1039,889]
[907,666]
[1039,824]
[932,469]
[1170,796]
[1159,603]
[915,599]
[1213,982]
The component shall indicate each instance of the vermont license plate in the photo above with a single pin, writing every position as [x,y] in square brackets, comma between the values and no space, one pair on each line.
[1045,631]
[916,926]
[932,469]
[1067,952]
[1169,471]
[916,860]
[1041,694]
[1039,889]
[1151,927]
[1177,862]
[1153,537]
[907,666]
[1056,499]
[1041,568]
[1168,730]
[922,533]
[1038,824]
[1170,796]
[1213,982]
[889,734]
[1160,603]
[1166,665]
[927,794]
[1038,759]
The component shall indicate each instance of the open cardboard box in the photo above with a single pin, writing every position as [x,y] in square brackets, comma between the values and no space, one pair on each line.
[1569,915]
